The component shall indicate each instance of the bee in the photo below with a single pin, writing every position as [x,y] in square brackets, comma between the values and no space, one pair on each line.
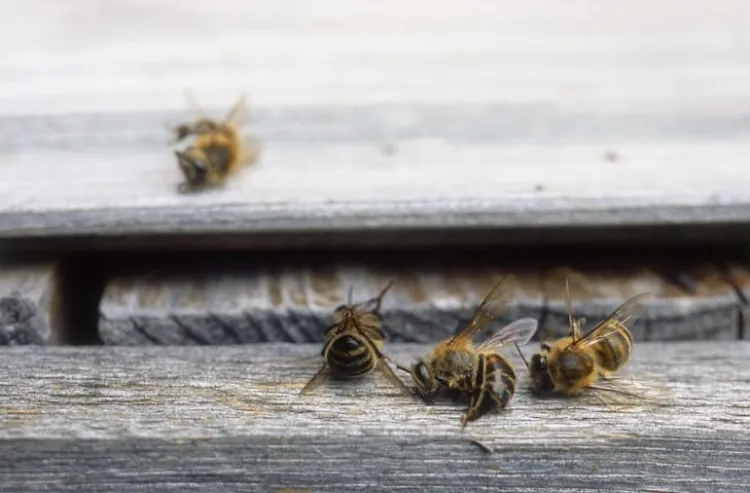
[353,344]
[572,364]
[218,150]
[456,364]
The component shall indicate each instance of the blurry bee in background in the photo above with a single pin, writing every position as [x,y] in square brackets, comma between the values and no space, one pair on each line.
[570,365]
[352,345]
[482,372]
[218,150]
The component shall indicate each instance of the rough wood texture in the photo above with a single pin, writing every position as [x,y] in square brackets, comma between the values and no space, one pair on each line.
[739,275]
[504,114]
[29,304]
[428,301]
[230,419]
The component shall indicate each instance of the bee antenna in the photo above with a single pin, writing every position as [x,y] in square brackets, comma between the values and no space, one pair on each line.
[520,353]
[402,368]
[349,296]
[569,308]
[379,298]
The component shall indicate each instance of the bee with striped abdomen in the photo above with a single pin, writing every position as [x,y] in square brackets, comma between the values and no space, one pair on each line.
[218,150]
[570,365]
[481,372]
[353,344]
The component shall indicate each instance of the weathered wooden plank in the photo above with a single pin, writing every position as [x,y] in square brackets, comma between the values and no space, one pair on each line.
[294,303]
[567,115]
[738,273]
[687,302]
[429,300]
[219,419]
[29,304]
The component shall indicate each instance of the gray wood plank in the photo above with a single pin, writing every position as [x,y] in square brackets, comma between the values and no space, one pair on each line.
[29,303]
[431,298]
[230,419]
[687,302]
[738,273]
[553,119]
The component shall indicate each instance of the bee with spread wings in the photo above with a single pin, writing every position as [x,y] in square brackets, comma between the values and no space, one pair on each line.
[218,150]
[580,361]
[480,371]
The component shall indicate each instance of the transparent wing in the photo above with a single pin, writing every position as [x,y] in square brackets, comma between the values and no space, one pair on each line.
[317,380]
[623,315]
[383,368]
[519,332]
[193,103]
[239,111]
[632,391]
[491,307]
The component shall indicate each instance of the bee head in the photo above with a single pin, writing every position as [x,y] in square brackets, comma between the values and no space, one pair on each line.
[193,166]
[541,381]
[425,380]
[182,131]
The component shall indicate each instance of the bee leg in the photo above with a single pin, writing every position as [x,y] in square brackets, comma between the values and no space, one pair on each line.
[475,402]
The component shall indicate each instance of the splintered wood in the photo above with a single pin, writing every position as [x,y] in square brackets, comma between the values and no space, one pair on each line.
[427,302]
[211,419]
[29,304]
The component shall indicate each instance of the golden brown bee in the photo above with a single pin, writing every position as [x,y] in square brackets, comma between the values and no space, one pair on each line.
[218,150]
[353,345]
[482,372]
[572,364]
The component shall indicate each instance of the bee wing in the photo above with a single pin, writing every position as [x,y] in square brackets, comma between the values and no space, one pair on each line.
[491,307]
[383,367]
[624,314]
[193,102]
[633,390]
[316,381]
[519,332]
[239,111]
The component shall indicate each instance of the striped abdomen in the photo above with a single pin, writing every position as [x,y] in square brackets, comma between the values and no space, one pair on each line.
[498,378]
[614,350]
[348,353]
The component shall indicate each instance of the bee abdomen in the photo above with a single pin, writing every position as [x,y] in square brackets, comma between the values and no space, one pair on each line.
[501,377]
[348,356]
[614,350]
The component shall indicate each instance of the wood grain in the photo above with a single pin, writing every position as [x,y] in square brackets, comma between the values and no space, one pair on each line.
[687,302]
[738,274]
[429,301]
[29,304]
[500,115]
[220,419]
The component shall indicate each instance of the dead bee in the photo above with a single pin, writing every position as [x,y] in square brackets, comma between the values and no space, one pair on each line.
[353,344]
[218,150]
[572,364]
[482,372]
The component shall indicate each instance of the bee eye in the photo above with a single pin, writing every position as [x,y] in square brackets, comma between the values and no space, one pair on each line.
[422,375]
